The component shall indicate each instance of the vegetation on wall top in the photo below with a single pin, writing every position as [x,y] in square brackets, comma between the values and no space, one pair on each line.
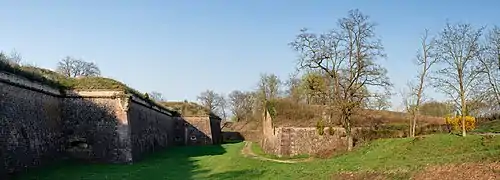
[189,108]
[61,82]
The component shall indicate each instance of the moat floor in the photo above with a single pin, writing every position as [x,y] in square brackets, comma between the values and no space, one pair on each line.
[382,159]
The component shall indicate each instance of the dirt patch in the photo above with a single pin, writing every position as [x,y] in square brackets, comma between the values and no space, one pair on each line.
[366,175]
[476,171]
[247,152]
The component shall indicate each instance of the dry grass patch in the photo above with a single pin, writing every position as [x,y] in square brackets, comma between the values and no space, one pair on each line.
[463,171]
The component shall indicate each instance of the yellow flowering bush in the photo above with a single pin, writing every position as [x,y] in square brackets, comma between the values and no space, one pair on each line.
[456,122]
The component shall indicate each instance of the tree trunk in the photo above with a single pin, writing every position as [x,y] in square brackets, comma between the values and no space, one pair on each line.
[463,113]
[350,142]
[410,127]
[464,133]
[414,126]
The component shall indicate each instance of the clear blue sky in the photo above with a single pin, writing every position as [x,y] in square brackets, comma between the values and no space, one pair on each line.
[180,48]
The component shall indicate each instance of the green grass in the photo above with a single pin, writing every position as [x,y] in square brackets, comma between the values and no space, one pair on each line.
[488,127]
[400,157]
[258,151]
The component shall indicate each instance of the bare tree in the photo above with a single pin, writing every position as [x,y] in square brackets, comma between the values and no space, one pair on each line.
[269,86]
[222,106]
[72,67]
[348,56]
[241,104]
[491,66]
[409,98]
[379,102]
[425,60]
[15,57]
[212,101]
[294,91]
[157,96]
[458,47]
[208,99]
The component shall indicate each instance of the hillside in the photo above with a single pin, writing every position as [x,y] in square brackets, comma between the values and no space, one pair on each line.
[303,115]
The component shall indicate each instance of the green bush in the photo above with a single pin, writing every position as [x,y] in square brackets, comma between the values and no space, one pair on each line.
[331,131]
[271,108]
[320,127]
[366,135]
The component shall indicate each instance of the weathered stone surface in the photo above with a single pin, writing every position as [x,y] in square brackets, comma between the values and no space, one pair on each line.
[308,140]
[39,124]
[291,141]
[99,122]
[271,141]
[198,130]
[30,128]
[150,130]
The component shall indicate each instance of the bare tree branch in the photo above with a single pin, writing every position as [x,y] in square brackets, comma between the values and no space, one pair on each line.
[72,67]
[459,50]
[347,55]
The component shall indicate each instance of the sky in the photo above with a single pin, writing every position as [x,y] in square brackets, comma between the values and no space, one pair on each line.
[181,48]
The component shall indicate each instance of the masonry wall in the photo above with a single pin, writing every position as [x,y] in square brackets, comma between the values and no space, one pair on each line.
[271,141]
[292,141]
[25,142]
[99,120]
[151,129]
[198,130]
[299,141]
[215,127]
[40,124]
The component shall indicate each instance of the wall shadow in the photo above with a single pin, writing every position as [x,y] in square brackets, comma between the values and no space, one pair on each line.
[46,135]
[173,163]
[229,137]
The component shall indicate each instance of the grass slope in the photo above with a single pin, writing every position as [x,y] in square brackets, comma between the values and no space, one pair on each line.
[398,157]
[489,127]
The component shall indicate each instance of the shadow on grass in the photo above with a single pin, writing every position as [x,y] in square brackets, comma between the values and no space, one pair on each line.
[174,163]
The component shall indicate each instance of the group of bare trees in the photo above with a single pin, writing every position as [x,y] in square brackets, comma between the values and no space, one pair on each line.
[68,66]
[243,105]
[463,62]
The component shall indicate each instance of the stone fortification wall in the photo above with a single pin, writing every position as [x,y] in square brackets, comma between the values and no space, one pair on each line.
[198,130]
[40,124]
[271,141]
[292,141]
[30,124]
[298,141]
[151,128]
[97,120]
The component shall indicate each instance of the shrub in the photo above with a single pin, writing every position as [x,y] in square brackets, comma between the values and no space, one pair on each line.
[320,127]
[271,108]
[366,135]
[331,131]
[456,122]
